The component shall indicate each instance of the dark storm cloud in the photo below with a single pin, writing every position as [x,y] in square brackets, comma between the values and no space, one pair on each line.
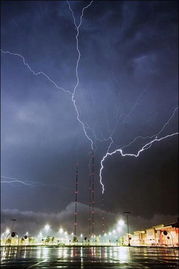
[128,80]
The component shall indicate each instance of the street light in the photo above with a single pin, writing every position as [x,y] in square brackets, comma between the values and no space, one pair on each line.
[121,222]
[40,234]
[127,215]
[2,235]
[13,224]
[7,231]
[81,235]
[61,230]
[47,227]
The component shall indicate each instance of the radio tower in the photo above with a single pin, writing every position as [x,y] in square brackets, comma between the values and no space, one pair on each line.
[91,195]
[76,203]
[103,225]
[89,213]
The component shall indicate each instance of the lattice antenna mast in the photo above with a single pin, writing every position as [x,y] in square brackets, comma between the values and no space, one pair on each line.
[90,205]
[92,193]
[76,202]
[103,225]
[91,218]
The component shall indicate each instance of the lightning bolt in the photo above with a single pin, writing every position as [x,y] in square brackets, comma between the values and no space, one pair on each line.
[10,180]
[134,106]
[25,182]
[142,149]
[124,116]
[77,28]
[15,181]
[85,126]
[155,135]
[39,73]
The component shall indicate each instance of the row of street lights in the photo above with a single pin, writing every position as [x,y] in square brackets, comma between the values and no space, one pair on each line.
[111,234]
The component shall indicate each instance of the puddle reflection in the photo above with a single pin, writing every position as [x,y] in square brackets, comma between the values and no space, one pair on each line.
[64,256]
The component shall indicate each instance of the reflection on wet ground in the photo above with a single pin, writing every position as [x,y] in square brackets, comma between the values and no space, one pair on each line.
[88,257]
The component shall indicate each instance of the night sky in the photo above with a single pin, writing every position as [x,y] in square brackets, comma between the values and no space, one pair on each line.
[127,88]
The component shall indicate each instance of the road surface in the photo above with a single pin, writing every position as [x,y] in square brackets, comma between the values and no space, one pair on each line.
[88,257]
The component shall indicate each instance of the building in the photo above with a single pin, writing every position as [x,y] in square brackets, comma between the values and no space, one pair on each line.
[159,235]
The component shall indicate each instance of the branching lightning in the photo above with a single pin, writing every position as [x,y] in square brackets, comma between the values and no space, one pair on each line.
[10,180]
[34,72]
[27,182]
[77,28]
[85,127]
[152,136]
[153,139]
[143,148]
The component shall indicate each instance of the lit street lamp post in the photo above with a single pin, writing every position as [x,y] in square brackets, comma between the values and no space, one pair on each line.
[127,215]
[13,224]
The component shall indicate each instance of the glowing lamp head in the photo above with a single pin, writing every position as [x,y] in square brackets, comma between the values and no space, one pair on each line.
[40,234]
[47,227]
[61,230]
[121,222]
[7,231]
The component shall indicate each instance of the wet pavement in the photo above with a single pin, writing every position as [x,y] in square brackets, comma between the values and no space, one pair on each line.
[88,257]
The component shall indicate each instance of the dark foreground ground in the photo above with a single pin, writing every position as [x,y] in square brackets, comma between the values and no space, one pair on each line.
[88,257]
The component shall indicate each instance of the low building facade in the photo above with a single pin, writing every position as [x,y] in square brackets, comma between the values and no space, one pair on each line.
[160,235]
